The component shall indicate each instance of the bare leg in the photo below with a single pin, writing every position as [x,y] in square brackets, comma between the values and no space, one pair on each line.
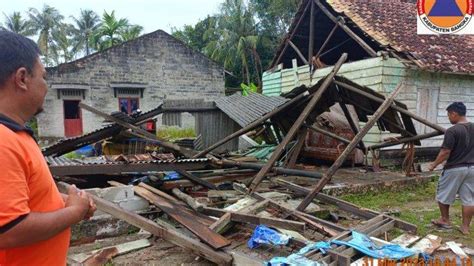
[467,213]
[444,209]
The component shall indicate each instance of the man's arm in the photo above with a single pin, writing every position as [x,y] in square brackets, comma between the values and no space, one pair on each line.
[38,226]
[443,155]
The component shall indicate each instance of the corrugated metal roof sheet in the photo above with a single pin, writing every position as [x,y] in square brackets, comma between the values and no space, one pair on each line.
[246,109]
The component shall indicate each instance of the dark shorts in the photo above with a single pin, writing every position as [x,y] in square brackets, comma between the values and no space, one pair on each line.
[454,181]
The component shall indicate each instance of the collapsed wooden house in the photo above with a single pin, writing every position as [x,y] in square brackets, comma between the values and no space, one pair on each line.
[263,194]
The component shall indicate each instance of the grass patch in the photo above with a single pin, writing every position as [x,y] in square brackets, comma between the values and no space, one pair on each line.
[417,205]
[175,133]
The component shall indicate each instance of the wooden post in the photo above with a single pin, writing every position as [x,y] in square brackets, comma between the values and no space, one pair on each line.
[340,160]
[311,35]
[296,126]
[327,40]
[351,121]
[297,148]
[251,126]
[329,134]
[143,133]
[298,52]
[394,106]
[404,140]
[167,234]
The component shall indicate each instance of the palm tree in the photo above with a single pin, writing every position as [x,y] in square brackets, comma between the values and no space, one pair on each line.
[85,27]
[62,46]
[44,21]
[131,32]
[14,22]
[237,43]
[109,33]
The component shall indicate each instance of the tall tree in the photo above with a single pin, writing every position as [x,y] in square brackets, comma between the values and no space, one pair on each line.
[85,26]
[199,35]
[237,40]
[44,21]
[14,22]
[131,32]
[63,44]
[109,33]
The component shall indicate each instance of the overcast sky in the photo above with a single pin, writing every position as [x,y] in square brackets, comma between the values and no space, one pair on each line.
[151,14]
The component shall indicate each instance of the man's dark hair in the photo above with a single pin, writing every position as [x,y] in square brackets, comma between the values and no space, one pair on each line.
[457,107]
[16,51]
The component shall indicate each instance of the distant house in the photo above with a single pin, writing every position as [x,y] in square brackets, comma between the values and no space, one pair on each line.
[137,74]
[384,49]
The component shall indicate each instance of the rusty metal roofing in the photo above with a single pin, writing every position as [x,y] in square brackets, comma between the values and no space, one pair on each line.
[246,109]
[102,160]
[67,145]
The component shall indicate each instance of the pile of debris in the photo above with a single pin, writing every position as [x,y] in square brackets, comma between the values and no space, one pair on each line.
[225,207]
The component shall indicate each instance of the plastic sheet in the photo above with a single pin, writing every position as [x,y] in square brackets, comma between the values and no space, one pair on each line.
[293,259]
[363,244]
[171,176]
[322,246]
[265,235]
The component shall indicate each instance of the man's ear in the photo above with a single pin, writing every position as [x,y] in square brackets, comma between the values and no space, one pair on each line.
[21,77]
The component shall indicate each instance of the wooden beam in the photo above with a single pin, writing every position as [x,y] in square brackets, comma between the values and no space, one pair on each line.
[404,140]
[196,179]
[297,124]
[393,106]
[195,205]
[329,134]
[290,37]
[167,234]
[222,224]
[350,119]
[349,32]
[243,217]
[318,54]
[297,148]
[184,217]
[143,133]
[347,151]
[311,35]
[251,126]
[298,52]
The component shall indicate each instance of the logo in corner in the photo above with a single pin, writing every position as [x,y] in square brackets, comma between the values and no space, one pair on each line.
[445,16]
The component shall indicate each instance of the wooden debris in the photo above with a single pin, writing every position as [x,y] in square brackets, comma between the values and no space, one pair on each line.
[456,249]
[428,244]
[222,224]
[196,179]
[185,217]
[405,240]
[167,234]
[188,199]
[101,256]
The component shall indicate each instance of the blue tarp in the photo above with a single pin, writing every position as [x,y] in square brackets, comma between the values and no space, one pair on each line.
[171,176]
[363,244]
[265,235]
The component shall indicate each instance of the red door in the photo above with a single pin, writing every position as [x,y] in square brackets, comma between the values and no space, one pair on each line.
[72,119]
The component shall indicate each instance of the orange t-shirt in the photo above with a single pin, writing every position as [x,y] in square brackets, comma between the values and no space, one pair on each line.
[26,185]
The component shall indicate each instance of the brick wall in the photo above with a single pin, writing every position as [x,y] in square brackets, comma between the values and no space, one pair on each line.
[163,66]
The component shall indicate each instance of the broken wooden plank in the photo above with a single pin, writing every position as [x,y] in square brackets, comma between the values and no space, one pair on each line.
[297,124]
[428,244]
[405,240]
[186,218]
[196,179]
[119,250]
[350,147]
[188,199]
[457,249]
[167,234]
[243,217]
[222,224]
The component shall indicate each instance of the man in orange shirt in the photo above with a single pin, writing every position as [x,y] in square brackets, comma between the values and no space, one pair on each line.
[35,218]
